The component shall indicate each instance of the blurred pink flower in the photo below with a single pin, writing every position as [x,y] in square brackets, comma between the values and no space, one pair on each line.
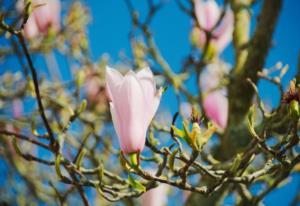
[17,108]
[95,90]
[215,102]
[208,14]
[215,105]
[134,101]
[156,197]
[45,14]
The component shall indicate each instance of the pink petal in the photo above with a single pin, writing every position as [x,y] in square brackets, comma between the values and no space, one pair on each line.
[156,102]
[200,13]
[47,15]
[114,80]
[130,104]
[43,17]
[146,79]
[17,107]
[31,28]
[212,14]
[56,8]
[116,119]
[224,31]
[215,106]
[207,13]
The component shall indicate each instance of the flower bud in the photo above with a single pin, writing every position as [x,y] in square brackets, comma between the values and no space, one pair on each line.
[44,15]
[208,14]
[134,101]
[294,109]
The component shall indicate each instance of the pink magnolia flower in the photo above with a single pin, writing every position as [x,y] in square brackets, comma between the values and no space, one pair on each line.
[134,101]
[215,102]
[45,14]
[208,14]
[95,89]
[156,197]
[215,105]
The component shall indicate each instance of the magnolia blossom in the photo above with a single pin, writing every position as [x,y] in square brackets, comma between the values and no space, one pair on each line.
[215,102]
[215,105]
[208,14]
[156,197]
[95,89]
[134,101]
[45,14]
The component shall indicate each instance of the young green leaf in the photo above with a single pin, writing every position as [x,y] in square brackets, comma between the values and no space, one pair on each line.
[136,184]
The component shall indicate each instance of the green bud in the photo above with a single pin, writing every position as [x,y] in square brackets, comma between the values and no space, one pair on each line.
[294,109]
[205,136]
[82,107]
[30,86]
[33,126]
[186,130]
[195,136]
[61,140]
[80,77]
[123,162]
[134,159]
[251,119]
[57,166]
[194,36]
[210,53]
[180,133]
[236,163]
